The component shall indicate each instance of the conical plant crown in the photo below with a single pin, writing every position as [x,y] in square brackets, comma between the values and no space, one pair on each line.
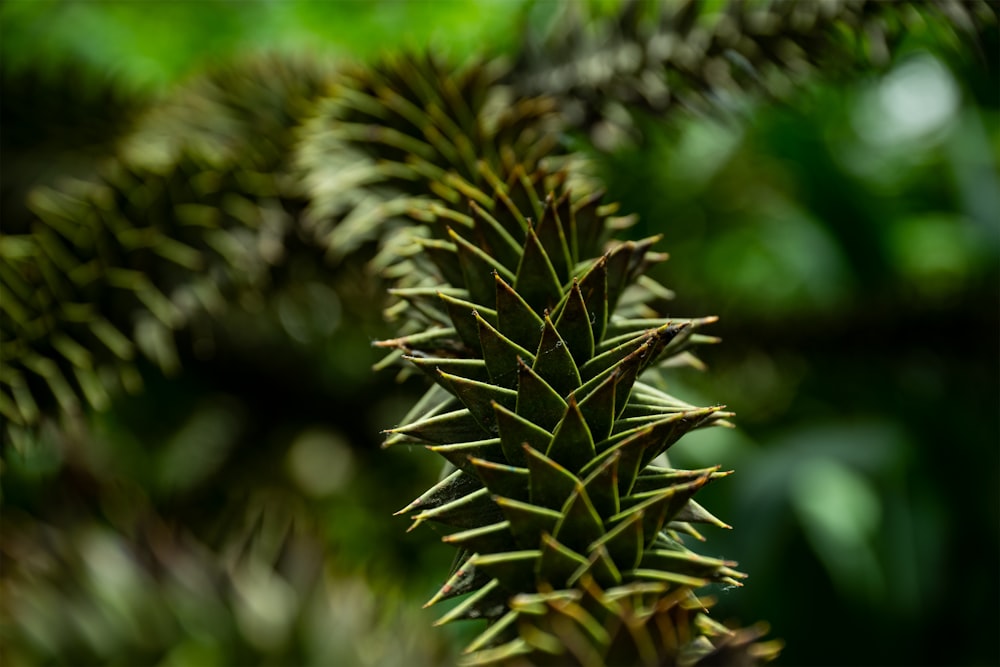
[535,335]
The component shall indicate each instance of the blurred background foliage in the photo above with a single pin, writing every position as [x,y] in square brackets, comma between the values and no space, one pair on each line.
[239,511]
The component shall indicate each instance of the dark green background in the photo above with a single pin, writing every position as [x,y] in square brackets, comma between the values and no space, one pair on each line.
[848,238]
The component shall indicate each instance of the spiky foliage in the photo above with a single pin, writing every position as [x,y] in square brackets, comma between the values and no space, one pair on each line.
[647,625]
[536,340]
[398,135]
[115,265]
[651,57]
[57,120]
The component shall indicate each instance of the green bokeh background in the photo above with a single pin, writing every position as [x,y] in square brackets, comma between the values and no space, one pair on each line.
[848,237]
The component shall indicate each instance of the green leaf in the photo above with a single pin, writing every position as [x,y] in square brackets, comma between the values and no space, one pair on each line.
[444,255]
[571,444]
[624,542]
[602,486]
[494,238]
[478,269]
[689,563]
[587,225]
[502,479]
[454,486]
[550,483]
[463,317]
[490,597]
[580,524]
[554,363]
[601,567]
[598,408]
[455,426]
[575,328]
[536,280]
[458,454]
[516,320]
[528,521]
[469,511]
[515,432]
[515,570]
[466,579]
[694,512]
[492,634]
[500,354]
[662,507]
[472,369]
[553,239]
[557,562]
[671,429]
[614,356]
[594,290]
[491,538]
[479,397]
[536,400]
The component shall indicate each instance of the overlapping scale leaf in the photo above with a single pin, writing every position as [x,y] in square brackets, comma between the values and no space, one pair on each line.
[195,211]
[654,58]
[541,411]
[641,624]
[411,131]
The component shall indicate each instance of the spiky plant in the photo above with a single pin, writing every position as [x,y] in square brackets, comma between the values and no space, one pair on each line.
[536,336]
[653,57]
[197,210]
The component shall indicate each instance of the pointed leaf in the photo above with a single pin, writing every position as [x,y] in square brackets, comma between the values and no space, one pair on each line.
[466,579]
[613,357]
[594,290]
[554,363]
[601,567]
[571,445]
[492,538]
[469,511]
[493,634]
[671,429]
[502,479]
[553,239]
[580,524]
[472,369]
[689,563]
[455,426]
[458,454]
[536,280]
[602,486]
[575,328]
[455,485]
[598,408]
[500,354]
[463,318]
[490,601]
[589,227]
[515,570]
[515,432]
[494,238]
[477,270]
[694,512]
[516,320]
[557,562]
[654,478]
[527,521]
[550,484]
[624,542]
[479,397]
[536,400]
[630,451]
[662,507]
[445,258]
